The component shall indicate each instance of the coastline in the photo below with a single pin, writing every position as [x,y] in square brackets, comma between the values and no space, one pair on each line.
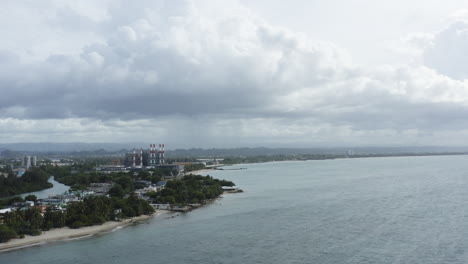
[198,171]
[66,233]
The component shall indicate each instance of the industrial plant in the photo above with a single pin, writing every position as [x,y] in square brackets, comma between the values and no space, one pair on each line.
[151,157]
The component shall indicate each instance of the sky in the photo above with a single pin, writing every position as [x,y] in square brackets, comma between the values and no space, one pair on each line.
[235,73]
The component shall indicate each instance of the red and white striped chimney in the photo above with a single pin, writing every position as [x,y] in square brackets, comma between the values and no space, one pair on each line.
[134,158]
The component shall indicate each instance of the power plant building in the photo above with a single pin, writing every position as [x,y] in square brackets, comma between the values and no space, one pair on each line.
[145,158]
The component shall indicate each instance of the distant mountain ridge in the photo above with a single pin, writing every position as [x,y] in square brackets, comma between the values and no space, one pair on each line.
[66,147]
[97,149]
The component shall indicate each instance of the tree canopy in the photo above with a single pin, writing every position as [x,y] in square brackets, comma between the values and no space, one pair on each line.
[190,189]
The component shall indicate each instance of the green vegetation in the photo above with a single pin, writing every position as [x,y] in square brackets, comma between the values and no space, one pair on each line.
[6,233]
[10,201]
[90,211]
[34,179]
[79,177]
[98,210]
[95,210]
[31,197]
[53,219]
[194,167]
[191,189]
[23,222]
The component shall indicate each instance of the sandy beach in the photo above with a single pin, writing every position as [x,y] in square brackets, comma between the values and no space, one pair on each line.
[68,233]
[198,171]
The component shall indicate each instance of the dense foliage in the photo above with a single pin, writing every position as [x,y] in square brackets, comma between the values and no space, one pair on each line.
[95,210]
[53,219]
[80,177]
[98,210]
[194,167]
[6,233]
[24,222]
[9,201]
[90,211]
[191,189]
[34,179]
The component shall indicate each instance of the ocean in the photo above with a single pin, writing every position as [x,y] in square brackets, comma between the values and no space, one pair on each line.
[362,210]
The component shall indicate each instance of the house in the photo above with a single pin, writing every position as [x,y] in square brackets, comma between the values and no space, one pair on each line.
[161,183]
[42,208]
[100,188]
[141,184]
[6,210]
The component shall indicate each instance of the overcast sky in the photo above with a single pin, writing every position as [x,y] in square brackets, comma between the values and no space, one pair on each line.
[232,73]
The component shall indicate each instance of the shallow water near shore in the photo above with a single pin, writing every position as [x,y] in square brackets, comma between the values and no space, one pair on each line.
[374,210]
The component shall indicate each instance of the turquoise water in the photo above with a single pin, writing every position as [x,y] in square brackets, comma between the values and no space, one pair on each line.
[378,210]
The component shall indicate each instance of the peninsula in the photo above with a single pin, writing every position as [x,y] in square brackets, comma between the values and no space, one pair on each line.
[99,201]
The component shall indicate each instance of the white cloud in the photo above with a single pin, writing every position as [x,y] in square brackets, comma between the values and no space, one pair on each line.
[461,14]
[181,69]
[449,52]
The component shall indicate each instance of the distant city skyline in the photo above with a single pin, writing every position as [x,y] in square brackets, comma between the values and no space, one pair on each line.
[235,73]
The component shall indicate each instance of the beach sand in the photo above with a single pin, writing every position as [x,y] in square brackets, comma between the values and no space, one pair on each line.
[68,233]
[198,171]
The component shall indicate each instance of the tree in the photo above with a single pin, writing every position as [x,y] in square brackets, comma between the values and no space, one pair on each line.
[33,218]
[191,189]
[126,182]
[117,191]
[6,233]
[33,180]
[31,197]
[53,219]
[144,175]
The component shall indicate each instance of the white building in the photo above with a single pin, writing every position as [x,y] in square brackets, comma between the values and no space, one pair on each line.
[29,161]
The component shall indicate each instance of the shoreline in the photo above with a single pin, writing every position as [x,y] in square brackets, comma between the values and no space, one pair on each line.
[66,233]
[198,171]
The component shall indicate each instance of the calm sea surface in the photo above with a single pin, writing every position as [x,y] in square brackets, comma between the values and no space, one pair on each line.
[376,210]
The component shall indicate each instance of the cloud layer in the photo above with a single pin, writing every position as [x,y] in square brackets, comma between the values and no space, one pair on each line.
[448,53]
[162,70]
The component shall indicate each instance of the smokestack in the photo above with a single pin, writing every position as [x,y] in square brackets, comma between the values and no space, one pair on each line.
[162,154]
[141,157]
[152,154]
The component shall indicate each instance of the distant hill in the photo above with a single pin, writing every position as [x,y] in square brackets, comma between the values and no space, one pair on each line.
[110,149]
[66,147]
